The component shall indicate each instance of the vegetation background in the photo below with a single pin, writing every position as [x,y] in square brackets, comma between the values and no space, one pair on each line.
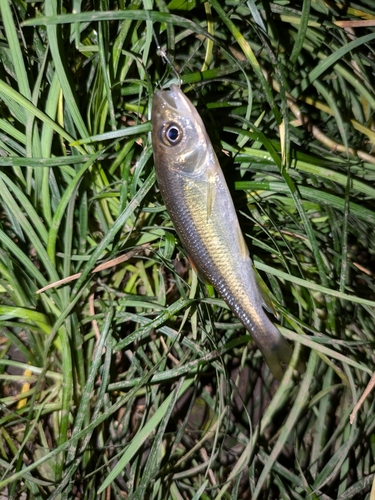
[133,380]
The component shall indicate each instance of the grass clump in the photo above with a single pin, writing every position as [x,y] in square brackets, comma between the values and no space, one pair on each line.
[131,379]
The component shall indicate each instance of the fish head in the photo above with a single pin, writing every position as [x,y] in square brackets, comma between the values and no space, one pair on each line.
[179,138]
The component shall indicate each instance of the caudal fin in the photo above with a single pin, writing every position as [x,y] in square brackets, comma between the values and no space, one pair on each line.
[278,356]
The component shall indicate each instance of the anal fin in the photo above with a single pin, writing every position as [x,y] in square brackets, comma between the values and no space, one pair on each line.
[241,243]
[265,294]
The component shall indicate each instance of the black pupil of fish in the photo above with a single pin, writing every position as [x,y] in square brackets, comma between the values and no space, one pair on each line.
[173,133]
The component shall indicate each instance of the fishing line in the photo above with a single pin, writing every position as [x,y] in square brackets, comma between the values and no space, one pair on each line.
[163,54]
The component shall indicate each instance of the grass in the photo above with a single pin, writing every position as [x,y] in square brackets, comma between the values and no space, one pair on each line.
[132,379]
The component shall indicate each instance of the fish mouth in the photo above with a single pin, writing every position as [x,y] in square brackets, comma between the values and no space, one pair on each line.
[174,99]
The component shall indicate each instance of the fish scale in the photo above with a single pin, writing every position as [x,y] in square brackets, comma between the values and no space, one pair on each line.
[200,206]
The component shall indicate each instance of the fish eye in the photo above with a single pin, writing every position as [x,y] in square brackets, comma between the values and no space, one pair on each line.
[172,134]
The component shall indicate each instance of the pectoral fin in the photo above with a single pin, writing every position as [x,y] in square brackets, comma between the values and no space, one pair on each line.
[211,190]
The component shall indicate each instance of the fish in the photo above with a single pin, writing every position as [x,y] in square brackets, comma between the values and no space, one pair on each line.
[199,203]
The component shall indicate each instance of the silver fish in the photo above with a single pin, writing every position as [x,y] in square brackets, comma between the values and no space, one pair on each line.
[198,201]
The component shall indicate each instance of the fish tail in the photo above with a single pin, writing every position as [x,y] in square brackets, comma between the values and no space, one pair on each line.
[278,356]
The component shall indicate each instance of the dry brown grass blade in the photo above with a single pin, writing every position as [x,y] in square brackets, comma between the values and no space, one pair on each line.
[101,267]
[355,24]
[323,138]
[362,399]
[303,120]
